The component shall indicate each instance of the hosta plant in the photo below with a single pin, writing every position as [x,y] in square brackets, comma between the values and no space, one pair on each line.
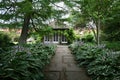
[105,67]
[25,65]
[101,63]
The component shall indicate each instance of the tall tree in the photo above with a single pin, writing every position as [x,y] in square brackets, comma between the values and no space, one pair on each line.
[112,24]
[96,11]
[28,13]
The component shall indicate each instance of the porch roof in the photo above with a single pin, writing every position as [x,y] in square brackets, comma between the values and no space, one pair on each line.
[55,26]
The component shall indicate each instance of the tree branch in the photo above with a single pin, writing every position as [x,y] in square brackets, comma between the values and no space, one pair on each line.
[93,30]
[34,26]
[59,7]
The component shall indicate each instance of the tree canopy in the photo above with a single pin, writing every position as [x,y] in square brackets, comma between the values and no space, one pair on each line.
[98,11]
[38,13]
[26,13]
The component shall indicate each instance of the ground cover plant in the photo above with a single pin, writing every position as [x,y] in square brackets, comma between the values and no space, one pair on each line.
[27,63]
[101,63]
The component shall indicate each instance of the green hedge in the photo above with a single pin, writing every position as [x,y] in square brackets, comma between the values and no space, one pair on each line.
[27,64]
[101,63]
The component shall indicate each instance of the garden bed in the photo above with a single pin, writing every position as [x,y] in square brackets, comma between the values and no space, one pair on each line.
[25,65]
[101,63]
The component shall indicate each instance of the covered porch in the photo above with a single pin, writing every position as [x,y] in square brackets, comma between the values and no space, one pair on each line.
[57,37]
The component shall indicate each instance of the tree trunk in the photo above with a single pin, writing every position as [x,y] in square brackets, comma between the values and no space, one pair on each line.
[98,32]
[94,32]
[24,33]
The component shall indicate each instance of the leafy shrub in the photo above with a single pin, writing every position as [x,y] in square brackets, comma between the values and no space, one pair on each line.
[113,45]
[88,38]
[13,35]
[16,39]
[112,30]
[4,40]
[105,67]
[25,65]
[88,53]
[101,63]
[70,35]
[36,36]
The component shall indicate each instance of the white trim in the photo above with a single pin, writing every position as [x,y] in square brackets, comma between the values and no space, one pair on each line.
[55,41]
[64,42]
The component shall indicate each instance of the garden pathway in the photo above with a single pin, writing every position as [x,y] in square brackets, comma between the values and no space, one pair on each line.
[63,66]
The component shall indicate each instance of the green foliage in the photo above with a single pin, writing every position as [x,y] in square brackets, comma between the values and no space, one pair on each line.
[105,67]
[101,63]
[16,39]
[114,45]
[88,38]
[25,65]
[13,35]
[39,35]
[100,12]
[70,35]
[40,11]
[36,14]
[87,53]
[112,29]
[5,40]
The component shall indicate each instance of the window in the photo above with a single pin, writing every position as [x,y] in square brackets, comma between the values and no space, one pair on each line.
[47,38]
[55,37]
[63,39]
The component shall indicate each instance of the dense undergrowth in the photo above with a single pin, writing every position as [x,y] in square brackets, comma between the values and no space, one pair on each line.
[101,63]
[5,40]
[25,64]
[113,45]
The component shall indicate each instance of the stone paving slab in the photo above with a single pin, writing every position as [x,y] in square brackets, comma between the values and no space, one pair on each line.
[73,67]
[54,67]
[68,59]
[52,75]
[76,76]
[57,59]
